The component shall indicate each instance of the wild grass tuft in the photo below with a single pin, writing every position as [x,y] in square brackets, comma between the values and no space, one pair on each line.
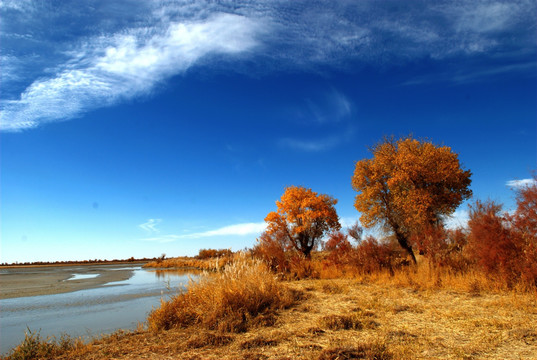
[208,339]
[342,322]
[226,301]
[35,347]
[375,351]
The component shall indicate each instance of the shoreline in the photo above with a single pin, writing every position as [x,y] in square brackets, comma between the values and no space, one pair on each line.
[54,279]
[119,262]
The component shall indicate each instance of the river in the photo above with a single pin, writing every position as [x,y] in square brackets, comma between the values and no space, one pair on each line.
[90,312]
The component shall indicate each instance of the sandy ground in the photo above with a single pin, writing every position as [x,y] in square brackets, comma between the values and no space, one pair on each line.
[33,281]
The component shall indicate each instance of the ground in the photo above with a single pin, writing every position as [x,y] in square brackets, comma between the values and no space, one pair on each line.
[352,319]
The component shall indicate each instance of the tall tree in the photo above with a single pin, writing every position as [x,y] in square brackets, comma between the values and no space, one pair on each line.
[304,217]
[409,185]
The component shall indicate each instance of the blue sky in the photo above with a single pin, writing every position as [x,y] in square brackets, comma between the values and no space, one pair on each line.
[136,128]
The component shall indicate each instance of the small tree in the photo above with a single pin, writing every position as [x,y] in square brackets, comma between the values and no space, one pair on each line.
[304,217]
[408,186]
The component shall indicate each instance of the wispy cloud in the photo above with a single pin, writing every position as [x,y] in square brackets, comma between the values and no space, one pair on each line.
[230,230]
[311,145]
[520,184]
[332,106]
[108,69]
[330,111]
[151,225]
[116,53]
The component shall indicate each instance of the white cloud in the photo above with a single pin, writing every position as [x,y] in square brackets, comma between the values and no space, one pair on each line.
[125,65]
[150,225]
[520,184]
[458,219]
[230,230]
[238,229]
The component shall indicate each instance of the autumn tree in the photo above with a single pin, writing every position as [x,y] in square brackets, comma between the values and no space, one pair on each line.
[303,217]
[408,186]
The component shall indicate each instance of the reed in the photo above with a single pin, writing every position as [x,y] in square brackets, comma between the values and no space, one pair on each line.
[228,301]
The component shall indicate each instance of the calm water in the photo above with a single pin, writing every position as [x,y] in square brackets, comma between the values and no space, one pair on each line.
[118,305]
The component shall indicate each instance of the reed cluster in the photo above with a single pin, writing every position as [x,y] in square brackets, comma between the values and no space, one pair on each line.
[231,300]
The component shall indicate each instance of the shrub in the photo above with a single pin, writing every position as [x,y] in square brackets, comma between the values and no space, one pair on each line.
[342,322]
[34,347]
[212,253]
[227,301]
[339,248]
[454,257]
[274,250]
[372,256]
[492,241]
[525,224]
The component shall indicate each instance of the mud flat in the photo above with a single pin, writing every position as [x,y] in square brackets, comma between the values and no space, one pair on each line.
[47,280]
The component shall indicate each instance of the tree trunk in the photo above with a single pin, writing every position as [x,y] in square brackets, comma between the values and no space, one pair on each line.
[403,241]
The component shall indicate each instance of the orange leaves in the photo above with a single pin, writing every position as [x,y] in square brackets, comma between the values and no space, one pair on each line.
[304,216]
[411,179]
[408,185]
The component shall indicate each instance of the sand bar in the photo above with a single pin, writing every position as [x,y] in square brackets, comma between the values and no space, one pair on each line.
[47,280]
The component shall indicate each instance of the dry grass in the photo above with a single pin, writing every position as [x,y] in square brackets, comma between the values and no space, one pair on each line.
[211,264]
[396,317]
[227,301]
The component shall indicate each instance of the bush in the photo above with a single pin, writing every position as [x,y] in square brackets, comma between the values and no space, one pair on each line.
[227,301]
[34,347]
[493,243]
[372,256]
[525,224]
[212,253]
[339,248]
[274,250]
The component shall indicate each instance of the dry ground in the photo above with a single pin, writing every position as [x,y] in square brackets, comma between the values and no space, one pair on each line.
[348,319]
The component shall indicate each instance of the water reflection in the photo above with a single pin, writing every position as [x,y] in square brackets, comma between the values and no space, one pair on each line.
[116,305]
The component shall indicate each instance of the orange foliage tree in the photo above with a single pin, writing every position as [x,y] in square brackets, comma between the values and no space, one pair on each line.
[303,217]
[408,186]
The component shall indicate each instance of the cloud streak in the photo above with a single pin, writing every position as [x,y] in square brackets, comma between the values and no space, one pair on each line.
[151,225]
[521,184]
[242,229]
[126,65]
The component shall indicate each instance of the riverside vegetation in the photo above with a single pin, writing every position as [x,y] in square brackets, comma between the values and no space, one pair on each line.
[246,312]
[421,292]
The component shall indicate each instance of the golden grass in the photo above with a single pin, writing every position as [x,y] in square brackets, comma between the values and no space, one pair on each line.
[230,300]
[405,316]
[211,264]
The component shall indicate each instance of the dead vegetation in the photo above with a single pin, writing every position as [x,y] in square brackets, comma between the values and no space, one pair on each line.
[344,319]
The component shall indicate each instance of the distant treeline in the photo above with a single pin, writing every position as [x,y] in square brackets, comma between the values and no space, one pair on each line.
[94,261]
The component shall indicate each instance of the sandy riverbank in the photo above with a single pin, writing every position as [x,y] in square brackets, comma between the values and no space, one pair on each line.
[47,280]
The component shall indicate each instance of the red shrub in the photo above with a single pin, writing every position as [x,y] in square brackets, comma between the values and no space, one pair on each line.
[372,256]
[454,255]
[525,224]
[492,241]
[272,249]
[338,247]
